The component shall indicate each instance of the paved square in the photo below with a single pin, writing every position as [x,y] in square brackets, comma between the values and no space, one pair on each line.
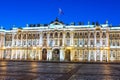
[58,71]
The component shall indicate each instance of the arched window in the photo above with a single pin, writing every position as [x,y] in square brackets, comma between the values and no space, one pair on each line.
[56,35]
[68,35]
[75,35]
[24,36]
[51,35]
[92,35]
[61,35]
[19,36]
[44,35]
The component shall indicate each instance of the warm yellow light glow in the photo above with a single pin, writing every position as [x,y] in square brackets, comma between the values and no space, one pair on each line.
[68,47]
[34,47]
[3,48]
[106,48]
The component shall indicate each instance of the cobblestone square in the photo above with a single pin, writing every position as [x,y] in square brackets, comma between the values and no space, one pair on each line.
[10,70]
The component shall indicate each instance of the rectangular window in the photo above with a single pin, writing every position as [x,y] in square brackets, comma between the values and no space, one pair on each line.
[60,42]
[51,43]
[56,42]
[68,42]
[91,42]
[86,42]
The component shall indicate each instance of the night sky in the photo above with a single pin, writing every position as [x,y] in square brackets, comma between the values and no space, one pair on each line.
[22,12]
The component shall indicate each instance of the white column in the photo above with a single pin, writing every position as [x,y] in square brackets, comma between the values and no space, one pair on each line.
[20,54]
[72,55]
[61,55]
[89,55]
[40,54]
[50,55]
[101,55]
[95,54]
[106,52]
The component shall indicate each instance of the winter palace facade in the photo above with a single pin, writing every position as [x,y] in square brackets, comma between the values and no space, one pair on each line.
[60,42]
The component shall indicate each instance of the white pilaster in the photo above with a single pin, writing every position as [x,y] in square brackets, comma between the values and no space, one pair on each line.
[12,54]
[20,51]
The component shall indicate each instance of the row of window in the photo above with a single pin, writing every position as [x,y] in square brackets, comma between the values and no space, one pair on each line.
[8,37]
[60,42]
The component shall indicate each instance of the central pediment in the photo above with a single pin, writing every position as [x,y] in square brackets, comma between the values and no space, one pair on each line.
[56,24]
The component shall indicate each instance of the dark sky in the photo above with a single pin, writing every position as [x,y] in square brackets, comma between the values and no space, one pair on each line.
[21,12]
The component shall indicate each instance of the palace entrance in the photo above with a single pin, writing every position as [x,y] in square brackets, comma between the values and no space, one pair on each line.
[44,54]
[56,55]
[67,55]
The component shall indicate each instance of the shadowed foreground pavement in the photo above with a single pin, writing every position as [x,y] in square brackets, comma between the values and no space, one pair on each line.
[58,71]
